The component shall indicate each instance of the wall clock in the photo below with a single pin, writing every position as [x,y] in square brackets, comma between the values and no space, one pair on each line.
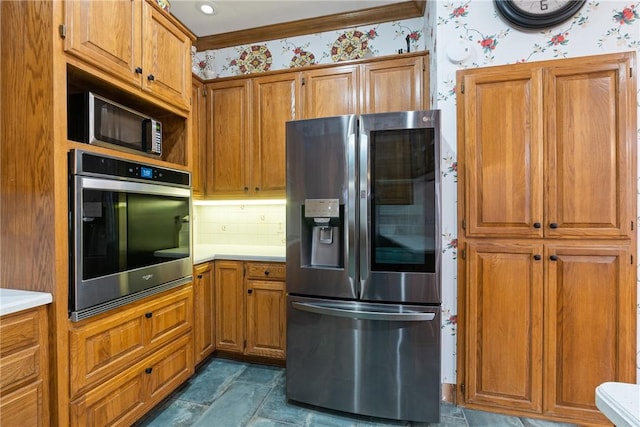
[537,14]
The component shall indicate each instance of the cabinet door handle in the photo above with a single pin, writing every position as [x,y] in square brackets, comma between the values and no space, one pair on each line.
[148,315]
[151,77]
[537,225]
[148,370]
[553,257]
[138,70]
[553,225]
[246,188]
[249,291]
[257,188]
[537,257]
[199,276]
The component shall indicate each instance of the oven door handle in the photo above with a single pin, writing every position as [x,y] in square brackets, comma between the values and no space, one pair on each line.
[84,182]
[333,310]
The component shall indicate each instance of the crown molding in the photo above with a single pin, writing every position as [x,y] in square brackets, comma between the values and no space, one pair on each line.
[374,15]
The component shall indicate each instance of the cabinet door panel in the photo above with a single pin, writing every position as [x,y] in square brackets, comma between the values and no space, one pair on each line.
[275,101]
[204,332]
[589,325]
[24,407]
[229,302]
[504,336]
[503,178]
[394,85]
[227,134]
[107,34]
[588,158]
[198,137]
[168,368]
[166,70]
[266,324]
[330,92]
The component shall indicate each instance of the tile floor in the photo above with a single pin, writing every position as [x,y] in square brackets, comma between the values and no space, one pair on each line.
[227,393]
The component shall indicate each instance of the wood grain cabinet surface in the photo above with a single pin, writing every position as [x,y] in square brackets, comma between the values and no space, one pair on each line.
[251,308]
[547,281]
[203,311]
[124,362]
[246,134]
[24,370]
[245,144]
[134,41]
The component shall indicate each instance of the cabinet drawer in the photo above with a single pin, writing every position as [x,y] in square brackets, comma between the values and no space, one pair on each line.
[126,397]
[102,347]
[20,368]
[24,407]
[266,270]
[19,330]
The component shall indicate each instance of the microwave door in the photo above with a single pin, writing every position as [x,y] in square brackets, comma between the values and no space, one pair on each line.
[117,126]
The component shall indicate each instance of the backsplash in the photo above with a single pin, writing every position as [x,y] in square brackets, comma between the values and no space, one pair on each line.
[240,224]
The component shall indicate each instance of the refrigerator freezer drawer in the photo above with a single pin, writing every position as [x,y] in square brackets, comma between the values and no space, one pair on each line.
[380,360]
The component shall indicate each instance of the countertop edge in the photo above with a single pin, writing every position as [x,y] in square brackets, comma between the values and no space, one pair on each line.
[15,300]
[243,257]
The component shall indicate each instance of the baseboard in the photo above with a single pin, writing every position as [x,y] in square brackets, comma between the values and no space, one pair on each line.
[449,393]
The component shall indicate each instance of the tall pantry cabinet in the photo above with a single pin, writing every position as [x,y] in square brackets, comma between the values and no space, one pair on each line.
[547,220]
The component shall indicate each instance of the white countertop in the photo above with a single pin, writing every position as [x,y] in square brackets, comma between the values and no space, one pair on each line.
[13,300]
[204,253]
[620,402]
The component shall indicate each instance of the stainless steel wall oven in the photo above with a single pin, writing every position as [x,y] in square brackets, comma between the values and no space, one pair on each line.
[129,231]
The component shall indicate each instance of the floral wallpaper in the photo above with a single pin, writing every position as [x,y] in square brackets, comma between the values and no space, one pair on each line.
[321,48]
[458,34]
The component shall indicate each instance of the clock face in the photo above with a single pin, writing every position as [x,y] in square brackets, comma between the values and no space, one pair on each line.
[536,14]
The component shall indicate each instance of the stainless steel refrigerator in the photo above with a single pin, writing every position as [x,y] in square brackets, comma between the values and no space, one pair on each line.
[363,264]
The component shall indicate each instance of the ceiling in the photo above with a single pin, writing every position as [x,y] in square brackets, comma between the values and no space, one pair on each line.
[238,22]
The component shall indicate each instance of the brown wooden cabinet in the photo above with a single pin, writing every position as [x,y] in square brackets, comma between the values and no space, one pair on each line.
[250,308]
[246,134]
[133,41]
[198,138]
[332,91]
[123,363]
[398,84]
[546,162]
[228,129]
[24,368]
[266,327]
[245,142]
[203,311]
[276,100]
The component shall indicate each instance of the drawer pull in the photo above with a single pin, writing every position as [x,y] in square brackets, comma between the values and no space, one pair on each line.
[148,315]
[266,272]
[148,370]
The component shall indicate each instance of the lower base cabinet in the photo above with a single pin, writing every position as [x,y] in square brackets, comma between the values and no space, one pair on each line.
[250,301]
[545,325]
[203,311]
[125,362]
[24,380]
[133,392]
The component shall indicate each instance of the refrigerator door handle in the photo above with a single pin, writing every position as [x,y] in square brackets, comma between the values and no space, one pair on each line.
[332,310]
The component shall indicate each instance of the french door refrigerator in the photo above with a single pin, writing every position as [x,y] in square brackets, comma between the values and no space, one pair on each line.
[363,264]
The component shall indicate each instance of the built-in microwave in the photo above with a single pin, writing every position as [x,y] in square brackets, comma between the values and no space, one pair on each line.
[129,231]
[93,119]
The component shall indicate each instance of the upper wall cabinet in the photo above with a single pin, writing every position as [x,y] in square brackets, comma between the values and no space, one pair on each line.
[246,134]
[560,134]
[394,85]
[245,116]
[133,41]
[330,91]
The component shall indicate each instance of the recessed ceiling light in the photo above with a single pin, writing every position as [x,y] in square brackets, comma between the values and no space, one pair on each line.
[206,8]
